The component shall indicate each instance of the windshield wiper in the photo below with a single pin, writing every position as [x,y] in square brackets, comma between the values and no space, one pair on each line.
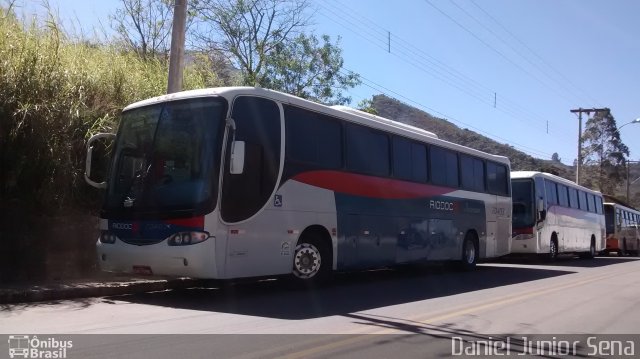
[137,185]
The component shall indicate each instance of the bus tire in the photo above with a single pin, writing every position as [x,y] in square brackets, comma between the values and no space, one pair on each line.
[592,250]
[637,252]
[623,251]
[311,259]
[553,248]
[469,257]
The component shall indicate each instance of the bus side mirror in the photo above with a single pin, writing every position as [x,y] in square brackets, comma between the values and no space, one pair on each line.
[87,170]
[542,214]
[237,157]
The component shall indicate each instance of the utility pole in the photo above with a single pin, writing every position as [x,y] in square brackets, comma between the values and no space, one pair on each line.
[176,58]
[627,162]
[579,111]
[627,165]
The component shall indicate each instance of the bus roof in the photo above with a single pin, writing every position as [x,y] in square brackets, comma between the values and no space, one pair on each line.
[564,181]
[343,112]
[621,206]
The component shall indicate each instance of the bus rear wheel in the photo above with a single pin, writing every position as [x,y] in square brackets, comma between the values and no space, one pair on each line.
[469,252]
[623,251]
[553,249]
[592,251]
[311,259]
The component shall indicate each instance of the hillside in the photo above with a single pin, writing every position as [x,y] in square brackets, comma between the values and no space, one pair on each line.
[396,110]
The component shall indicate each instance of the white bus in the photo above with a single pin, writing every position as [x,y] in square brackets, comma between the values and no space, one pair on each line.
[552,215]
[244,182]
[623,234]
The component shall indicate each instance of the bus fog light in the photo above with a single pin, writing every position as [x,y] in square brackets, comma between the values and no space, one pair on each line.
[187,238]
[106,237]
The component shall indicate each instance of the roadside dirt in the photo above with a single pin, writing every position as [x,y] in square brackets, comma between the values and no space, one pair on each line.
[42,248]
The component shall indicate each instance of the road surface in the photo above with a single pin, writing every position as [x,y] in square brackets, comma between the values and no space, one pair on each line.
[418,310]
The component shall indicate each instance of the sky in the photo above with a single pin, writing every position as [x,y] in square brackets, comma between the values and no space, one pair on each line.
[509,69]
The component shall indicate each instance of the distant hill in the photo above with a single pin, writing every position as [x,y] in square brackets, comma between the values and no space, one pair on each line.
[520,161]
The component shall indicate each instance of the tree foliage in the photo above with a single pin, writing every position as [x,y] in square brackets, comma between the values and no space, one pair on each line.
[306,68]
[555,157]
[144,26]
[266,41]
[604,152]
[247,30]
[367,105]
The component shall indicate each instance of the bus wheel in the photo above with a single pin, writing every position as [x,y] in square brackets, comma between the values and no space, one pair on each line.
[592,250]
[637,253]
[469,252]
[553,249]
[312,259]
[623,252]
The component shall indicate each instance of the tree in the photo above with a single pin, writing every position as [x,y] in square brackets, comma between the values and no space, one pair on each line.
[303,67]
[367,105]
[144,26]
[555,157]
[604,152]
[265,40]
[247,30]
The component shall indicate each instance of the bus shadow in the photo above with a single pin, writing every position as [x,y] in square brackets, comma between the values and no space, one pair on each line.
[347,293]
[568,261]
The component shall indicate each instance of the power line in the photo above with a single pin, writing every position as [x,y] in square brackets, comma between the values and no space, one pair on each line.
[505,29]
[496,50]
[434,67]
[380,88]
[516,51]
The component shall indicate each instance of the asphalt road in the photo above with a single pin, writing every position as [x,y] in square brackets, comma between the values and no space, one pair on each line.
[418,309]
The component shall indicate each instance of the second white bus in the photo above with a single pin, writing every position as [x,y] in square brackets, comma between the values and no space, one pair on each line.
[552,216]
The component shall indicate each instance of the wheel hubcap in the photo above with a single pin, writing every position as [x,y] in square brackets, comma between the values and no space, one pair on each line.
[307,261]
[470,252]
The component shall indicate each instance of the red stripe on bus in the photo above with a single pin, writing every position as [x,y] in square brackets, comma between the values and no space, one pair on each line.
[368,186]
[195,222]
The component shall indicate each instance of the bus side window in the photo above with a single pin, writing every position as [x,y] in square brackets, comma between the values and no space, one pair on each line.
[552,192]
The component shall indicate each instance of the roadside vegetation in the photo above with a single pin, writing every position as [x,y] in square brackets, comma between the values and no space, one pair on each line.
[55,91]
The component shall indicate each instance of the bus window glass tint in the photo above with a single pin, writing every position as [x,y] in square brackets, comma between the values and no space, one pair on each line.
[313,138]
[472,173]
[444,167]
[367,150]
[497,179]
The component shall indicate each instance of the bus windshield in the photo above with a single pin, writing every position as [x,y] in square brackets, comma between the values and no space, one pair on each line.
[165,157]
[523,199]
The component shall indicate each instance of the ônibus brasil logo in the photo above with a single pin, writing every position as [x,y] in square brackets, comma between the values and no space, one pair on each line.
[24,346]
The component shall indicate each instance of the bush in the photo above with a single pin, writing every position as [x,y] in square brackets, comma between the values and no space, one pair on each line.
[54,93]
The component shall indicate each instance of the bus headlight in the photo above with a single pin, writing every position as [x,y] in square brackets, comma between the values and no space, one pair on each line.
[187,238]
[106,237]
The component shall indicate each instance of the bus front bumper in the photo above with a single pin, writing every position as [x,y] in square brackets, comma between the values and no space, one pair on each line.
[524,243]
[196,260]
